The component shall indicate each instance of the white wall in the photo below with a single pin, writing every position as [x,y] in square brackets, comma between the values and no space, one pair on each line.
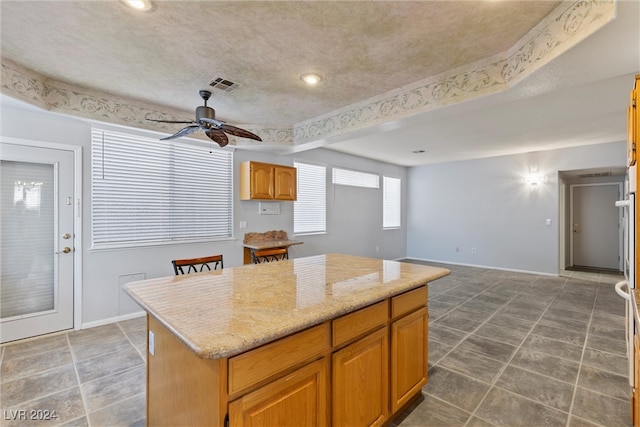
[354,218]
[354,215]
[485,204]
[480,204]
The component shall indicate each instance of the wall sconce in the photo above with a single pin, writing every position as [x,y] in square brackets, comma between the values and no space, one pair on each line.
[534,179]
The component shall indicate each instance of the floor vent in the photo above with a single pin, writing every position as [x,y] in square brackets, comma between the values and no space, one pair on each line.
[223,84]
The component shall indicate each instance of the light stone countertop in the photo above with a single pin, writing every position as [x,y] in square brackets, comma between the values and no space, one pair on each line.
[225,312]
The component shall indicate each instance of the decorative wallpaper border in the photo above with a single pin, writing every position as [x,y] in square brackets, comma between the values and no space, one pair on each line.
[567,25]
[48,94]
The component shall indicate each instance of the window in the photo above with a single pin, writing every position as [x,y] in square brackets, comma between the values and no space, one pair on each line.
[146,191]
[392,206]
[355,178]
[309,211]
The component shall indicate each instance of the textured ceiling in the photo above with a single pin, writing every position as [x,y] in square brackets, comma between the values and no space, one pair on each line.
[362,48]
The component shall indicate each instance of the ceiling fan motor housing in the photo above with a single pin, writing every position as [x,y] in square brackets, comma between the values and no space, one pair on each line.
[204,112]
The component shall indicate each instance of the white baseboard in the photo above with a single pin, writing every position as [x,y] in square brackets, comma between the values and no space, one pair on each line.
[484,266]
[112,320]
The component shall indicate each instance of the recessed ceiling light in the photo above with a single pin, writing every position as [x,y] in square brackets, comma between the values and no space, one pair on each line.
[311,78]
[141,5]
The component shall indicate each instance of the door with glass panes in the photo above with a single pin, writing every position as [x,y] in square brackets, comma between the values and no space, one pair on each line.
[37,243]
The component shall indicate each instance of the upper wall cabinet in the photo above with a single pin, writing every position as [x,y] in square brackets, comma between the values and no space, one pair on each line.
[266,181]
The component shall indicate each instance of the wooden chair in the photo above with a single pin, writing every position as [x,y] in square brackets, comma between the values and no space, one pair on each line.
[267,255]
[194,263]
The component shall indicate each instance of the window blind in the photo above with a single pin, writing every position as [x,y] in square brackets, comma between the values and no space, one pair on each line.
[309,210]
[355,178]
[392,203]
[145,191]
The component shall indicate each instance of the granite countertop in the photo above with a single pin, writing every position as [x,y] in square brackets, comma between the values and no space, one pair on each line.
[267,244]
[225,312]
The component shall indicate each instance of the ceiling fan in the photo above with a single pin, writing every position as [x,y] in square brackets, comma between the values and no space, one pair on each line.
[206,120]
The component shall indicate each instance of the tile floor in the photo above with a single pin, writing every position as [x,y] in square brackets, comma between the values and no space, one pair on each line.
[93,377]
[505,349]
[514,349]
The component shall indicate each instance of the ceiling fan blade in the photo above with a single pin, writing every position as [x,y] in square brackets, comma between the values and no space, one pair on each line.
[236,131]
[218,136]
[182,132]
[172,121]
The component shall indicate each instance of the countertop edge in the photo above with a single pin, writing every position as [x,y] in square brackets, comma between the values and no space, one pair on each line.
[267,244]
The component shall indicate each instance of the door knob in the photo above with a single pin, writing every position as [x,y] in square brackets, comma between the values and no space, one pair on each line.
[66,236]
[65,250]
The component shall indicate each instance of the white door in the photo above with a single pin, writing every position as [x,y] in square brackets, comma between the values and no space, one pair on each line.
[595,225]
[37,244]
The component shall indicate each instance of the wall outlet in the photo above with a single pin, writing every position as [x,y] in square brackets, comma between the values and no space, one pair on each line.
[152,343]
[473,250]
[243,224]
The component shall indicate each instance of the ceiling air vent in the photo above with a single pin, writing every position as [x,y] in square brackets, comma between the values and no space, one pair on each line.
[223,84]
[595,175]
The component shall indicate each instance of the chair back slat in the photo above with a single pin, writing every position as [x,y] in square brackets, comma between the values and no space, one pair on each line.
[268,255]
[194,263]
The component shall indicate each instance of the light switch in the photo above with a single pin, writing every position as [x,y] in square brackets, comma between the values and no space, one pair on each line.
[548,221]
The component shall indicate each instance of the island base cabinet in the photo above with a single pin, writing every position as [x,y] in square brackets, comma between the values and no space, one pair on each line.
[408,358]
[298,399]
[361,382]
[182,389]
[359,369]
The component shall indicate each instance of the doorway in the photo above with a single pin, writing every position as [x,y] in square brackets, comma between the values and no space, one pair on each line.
[37,251]
[596,235]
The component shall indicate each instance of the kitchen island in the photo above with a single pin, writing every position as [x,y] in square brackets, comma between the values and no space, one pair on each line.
[324,340]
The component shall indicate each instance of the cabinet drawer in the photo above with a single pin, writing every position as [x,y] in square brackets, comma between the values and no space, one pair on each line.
[409,301]
[255,366]
[354,324]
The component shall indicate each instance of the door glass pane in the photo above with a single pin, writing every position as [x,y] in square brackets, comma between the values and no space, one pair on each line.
[27,205]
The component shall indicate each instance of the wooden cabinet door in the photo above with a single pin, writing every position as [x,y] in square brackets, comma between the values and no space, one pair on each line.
[285,183]
[262,179]
[408,357]
[360,381]
[298,399]
[633,127]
